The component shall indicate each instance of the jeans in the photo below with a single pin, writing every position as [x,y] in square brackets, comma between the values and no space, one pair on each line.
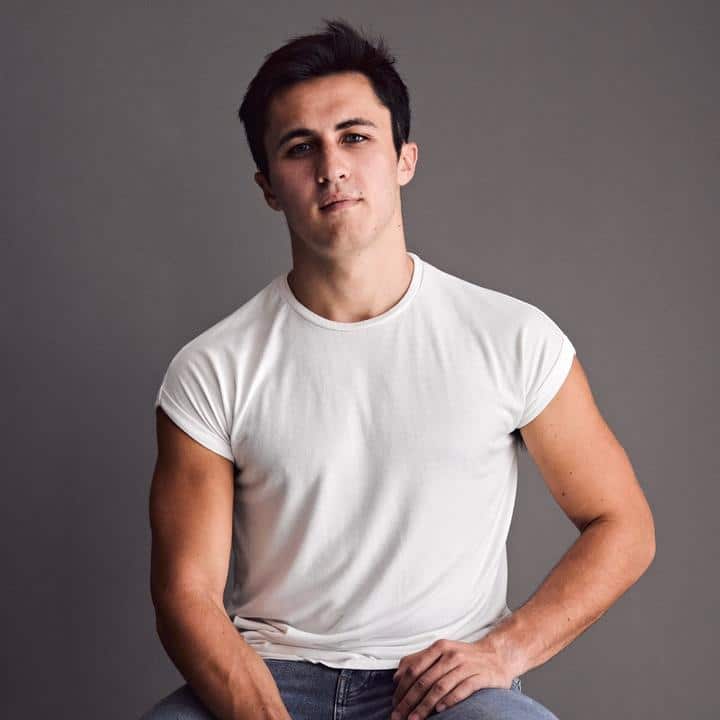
[312,691]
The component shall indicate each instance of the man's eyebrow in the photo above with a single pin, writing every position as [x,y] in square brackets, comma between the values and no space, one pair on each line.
[305,132]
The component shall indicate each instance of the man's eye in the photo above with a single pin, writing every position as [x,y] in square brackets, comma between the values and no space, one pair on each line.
[295,149]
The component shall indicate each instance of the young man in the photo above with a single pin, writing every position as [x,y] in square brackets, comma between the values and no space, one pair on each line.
[351,432]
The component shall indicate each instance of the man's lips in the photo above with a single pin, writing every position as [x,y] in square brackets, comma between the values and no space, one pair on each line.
[339,205]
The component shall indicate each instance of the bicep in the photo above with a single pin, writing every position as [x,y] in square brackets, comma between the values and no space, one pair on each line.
[191,504]
[584,466]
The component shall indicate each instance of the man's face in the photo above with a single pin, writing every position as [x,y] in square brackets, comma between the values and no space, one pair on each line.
[341,144]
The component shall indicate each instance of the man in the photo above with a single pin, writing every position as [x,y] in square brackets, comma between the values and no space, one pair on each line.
[351,432]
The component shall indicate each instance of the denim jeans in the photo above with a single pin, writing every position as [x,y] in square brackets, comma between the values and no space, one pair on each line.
[313,691]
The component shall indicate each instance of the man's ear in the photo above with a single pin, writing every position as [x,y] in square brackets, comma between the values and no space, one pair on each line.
[264,184]
[407,162]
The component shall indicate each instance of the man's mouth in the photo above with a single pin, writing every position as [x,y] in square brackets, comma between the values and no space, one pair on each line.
[338,205]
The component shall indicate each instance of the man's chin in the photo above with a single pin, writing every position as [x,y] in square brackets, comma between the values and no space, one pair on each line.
[334,244]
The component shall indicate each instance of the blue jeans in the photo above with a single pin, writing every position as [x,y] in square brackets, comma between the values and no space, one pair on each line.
[312,691]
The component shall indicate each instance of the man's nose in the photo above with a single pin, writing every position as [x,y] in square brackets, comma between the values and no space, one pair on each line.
[331,165]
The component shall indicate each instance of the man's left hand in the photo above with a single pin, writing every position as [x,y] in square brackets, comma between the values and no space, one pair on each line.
[444,674]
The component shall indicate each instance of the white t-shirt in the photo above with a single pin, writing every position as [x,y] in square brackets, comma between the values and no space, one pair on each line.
[375,467]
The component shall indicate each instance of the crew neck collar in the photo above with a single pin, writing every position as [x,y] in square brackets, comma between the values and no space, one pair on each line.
[306,313]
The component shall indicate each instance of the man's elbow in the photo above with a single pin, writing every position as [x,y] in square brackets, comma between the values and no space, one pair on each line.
[651,550]
[641,534]
[646,555]
[644,519]
[635,538]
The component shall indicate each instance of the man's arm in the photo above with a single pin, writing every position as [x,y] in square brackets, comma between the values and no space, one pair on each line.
[191,505]
[591,478]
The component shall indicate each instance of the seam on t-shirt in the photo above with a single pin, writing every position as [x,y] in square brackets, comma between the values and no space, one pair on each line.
[538,392]
[202,430]
[380,321]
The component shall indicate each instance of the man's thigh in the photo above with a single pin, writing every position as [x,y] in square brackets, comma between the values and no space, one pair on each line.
[497,704]
[373,701]
[182,704]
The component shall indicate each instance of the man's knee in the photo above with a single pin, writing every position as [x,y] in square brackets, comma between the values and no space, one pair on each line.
[181,704]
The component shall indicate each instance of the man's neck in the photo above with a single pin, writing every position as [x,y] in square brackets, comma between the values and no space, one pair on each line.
[362,287]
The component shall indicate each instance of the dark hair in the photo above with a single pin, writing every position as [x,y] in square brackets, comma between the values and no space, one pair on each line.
[339,48]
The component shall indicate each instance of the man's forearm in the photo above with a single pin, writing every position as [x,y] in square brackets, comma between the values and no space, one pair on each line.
[230,678]
[604,561]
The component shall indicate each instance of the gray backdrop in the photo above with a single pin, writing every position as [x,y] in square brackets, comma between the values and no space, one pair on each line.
[568,156]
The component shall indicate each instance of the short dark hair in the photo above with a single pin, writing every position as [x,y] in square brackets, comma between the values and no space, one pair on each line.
[340,48]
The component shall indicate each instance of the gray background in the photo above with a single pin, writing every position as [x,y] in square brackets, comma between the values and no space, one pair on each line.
[568,156]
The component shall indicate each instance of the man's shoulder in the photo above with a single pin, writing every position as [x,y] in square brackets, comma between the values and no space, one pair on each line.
[482,301]
[234,327]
